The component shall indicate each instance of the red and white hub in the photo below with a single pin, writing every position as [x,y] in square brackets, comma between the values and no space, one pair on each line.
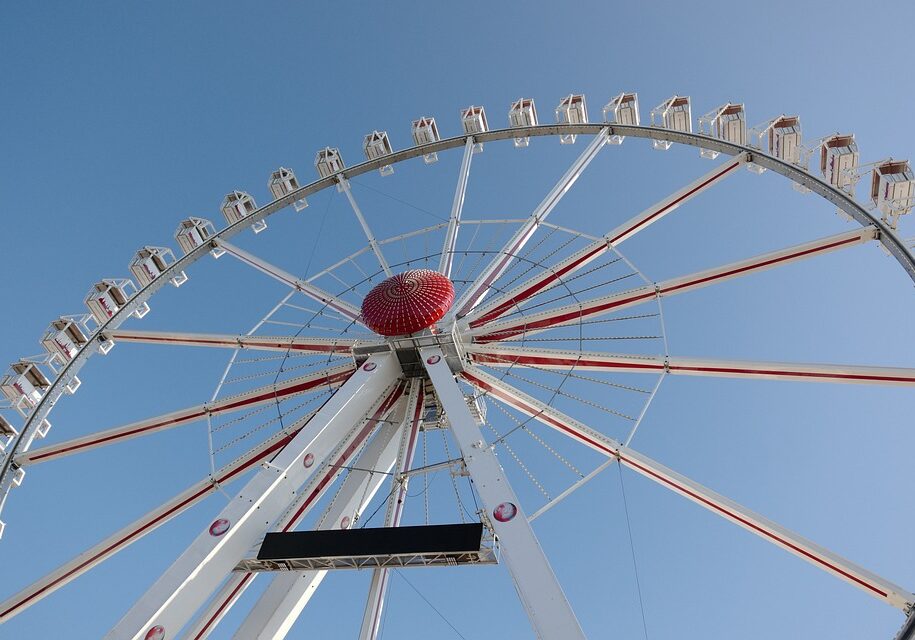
[408,302]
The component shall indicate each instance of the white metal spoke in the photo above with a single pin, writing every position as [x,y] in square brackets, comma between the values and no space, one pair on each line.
[580,259]
[326,378]
[188,583]
[457,205]
[349,311]
[763,527]
[148,523]
[495,355]
[573,313]
[297,344]
[541,595]
[480,287]
[373,243]
[288,593]
[371,619]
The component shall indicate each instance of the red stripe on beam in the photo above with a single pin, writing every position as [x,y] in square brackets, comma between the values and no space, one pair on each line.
[292,346]
[282,393]
[581,313]
[556,275]
[136,532]
[533,411]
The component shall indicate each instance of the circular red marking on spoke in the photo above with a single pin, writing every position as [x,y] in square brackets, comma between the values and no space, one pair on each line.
[219,527]
[505,512]
[156,633]
[408,302]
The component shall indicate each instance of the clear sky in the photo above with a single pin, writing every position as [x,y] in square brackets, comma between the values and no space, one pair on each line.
[117,120]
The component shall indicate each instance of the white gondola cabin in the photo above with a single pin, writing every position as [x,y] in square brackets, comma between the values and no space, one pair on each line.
[839,160]
[377,145]
[425,131]
[893,189]
[571,110]
[7,433]
[66,336]
[283,182]
[473,120]
[24,385]
[523,113]
[328,161]
[674,114]
[106,298]
[727,122]
[196,232]
[151,262]
[238,205]
[622,109]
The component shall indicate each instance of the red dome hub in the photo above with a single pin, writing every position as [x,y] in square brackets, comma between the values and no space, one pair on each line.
[408,302]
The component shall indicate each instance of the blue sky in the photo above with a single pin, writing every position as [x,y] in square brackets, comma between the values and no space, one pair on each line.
[120,119]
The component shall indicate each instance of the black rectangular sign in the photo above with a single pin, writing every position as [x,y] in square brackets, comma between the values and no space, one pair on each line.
[381,541]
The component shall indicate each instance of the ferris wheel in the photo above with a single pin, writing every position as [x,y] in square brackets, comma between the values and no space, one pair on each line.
[514,358]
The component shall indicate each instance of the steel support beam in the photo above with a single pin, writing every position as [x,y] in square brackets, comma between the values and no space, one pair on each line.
[495,355]
[457,206]
[574,313]
[480,287]
[371,619]
[148,523]
[280,605]
[345,309]
[373,243]
[326,378]
[188,583]
[541,595]
[763,527]
[296,344]
[554,275]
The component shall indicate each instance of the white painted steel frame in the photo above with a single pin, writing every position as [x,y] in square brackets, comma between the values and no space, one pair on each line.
[349,311]
[542,597]
[149,522]
[496,355]
[811,552]
[457,206]
[856,211]
[298,344]
[327,378]
[574,313]
[413,420]
[895,246]
[187,584]
[580,259]
[280,605]
[480,286]
[373,243]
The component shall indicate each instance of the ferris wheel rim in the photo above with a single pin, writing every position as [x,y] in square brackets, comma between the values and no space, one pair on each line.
[795,174]
[697,140]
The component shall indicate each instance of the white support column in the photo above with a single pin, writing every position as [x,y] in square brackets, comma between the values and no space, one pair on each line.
[454,222]
[574,313]
[763,527]
[148,523]
[580,259]
[496,355]
[480,287]
[376,248]
[295,344]
[283,601]
[188,583]
[371,619]
[326,379]
[347,310]
[541,595]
